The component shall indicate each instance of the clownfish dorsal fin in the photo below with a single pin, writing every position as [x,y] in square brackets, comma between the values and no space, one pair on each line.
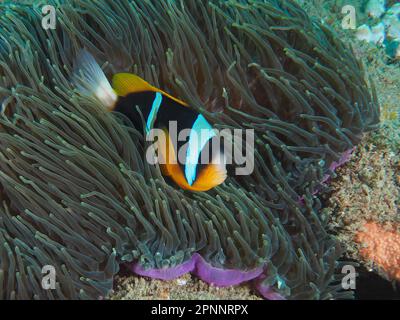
[126,83]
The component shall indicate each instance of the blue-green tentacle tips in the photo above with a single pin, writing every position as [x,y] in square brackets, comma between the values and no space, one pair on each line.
[77,194]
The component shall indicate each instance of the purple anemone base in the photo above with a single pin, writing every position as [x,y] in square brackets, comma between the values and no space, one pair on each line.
[198,266]
[212,275]
[345,157]
[205,271]
[336,164]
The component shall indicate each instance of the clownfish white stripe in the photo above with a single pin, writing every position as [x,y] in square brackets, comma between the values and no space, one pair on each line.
[200,134]
[153,112]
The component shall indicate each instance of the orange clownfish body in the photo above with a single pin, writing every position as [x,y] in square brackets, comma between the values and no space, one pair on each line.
[159,110]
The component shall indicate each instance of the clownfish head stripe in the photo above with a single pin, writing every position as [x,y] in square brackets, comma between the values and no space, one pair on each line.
[212,175]
[200,134]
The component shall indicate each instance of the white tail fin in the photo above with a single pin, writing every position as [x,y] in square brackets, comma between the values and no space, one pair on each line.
[90,80]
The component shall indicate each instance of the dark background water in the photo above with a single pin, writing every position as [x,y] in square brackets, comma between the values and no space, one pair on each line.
[371,286]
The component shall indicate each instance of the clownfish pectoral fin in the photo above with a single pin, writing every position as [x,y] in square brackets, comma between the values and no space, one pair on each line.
[126,83]
[211,176]
[90,80]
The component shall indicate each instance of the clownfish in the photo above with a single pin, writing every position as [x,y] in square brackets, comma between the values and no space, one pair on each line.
[159,109]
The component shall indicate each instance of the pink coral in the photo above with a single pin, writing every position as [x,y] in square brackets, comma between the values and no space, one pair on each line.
[381,244]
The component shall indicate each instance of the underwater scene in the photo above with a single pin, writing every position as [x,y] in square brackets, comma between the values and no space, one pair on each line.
[199,150]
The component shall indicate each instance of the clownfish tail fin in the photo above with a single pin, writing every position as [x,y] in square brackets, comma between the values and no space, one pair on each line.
[90,80]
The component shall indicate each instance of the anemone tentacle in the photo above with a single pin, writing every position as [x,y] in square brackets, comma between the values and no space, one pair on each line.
[78,194]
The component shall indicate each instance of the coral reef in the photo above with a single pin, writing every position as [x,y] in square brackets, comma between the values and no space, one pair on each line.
[368,187]
[368,192]
[186,287]
[381,245]
[383,28]
[77,193]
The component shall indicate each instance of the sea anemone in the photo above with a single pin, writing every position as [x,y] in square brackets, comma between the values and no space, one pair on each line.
[77,193]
